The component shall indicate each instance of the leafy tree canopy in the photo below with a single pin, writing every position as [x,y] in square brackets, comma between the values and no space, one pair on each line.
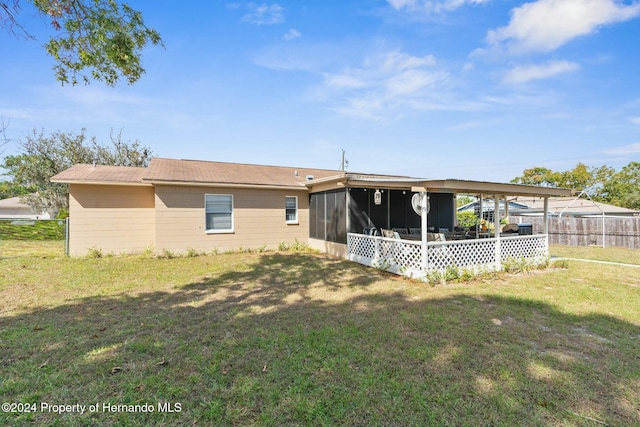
[94,39]
[605,184]
[623,188]
[537,176]
[8,189]
[45,156]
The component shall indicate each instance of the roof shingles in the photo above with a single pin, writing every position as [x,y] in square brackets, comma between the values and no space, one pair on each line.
[162,170]
[100,173]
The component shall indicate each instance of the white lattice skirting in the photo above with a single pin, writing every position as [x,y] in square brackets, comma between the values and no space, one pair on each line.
[405,256]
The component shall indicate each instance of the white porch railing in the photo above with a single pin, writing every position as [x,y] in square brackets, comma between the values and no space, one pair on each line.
[405,256]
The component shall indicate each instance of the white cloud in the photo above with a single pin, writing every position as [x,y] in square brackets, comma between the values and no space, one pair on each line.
[635,120]
[545,25]
[383,83]
[292,34]
[625,150]
[17,113]
[344,80]
[399,4]
[468,66]
[431,6]
[264,14]
[523,74]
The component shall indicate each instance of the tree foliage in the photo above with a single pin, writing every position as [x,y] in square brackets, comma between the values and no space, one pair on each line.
[45,156]
[537,176]
[94,39]
[603,183]
[623,188]
[9,189]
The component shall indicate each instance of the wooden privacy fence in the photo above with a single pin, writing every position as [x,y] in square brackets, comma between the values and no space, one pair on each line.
[618,231]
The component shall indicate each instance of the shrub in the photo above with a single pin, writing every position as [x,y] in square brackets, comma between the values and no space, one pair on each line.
[283,247]
[148,252]
[166,253]
[560,263]
[467,219]
[94,253]
[442,277]
[192,252]
[468,274]
[517,265]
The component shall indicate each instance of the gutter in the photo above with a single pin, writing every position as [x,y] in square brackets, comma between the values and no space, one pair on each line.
[227,185]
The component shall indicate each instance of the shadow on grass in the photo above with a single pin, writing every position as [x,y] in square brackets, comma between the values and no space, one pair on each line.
[299,340]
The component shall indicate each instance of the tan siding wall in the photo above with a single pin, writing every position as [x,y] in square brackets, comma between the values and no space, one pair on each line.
[259,219]
[112,218]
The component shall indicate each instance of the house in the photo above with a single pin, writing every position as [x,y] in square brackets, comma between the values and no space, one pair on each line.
[557,206]
[177,205]
[13,208]
[573,207]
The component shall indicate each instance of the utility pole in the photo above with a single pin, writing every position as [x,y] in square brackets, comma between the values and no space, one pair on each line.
[345,163]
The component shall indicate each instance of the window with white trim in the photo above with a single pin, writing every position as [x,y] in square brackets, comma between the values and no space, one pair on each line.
[219,213]
[291,209]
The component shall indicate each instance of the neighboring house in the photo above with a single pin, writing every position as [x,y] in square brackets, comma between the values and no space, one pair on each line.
[13,208]
[177,205]
[565,206]
[573,207]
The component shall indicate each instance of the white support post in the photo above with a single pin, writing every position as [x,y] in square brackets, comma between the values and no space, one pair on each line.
[506,208]
[424,199]
[546,224]
[481,217]
[496,229]
[546,216]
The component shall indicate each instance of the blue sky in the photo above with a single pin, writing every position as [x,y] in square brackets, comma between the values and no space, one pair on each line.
[468,89]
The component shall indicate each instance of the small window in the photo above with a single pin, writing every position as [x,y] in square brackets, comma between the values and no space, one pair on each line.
[291,209]
[219,213]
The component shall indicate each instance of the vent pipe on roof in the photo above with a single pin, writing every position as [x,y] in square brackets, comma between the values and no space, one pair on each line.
[309,177]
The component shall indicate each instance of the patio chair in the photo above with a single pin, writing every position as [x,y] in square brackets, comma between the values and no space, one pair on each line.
[510,229]
[370,231]
[436,237]
[400,230]
[388,233]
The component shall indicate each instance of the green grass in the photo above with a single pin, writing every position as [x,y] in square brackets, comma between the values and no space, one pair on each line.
[31,248]
[612,254]
[301,339]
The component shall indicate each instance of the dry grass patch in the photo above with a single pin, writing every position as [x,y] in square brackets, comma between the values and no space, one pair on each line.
[31,248]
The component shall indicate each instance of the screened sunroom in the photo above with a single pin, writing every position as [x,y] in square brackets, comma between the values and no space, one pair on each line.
[408,226]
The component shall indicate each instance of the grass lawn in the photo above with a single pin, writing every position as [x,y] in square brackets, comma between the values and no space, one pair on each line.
[282,338]
[31,248]
[613,254]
